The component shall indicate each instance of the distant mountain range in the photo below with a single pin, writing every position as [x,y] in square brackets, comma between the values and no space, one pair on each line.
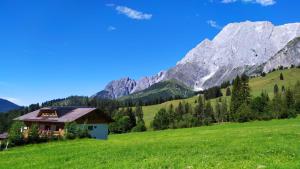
[6,106]
[159,92]
[246,47]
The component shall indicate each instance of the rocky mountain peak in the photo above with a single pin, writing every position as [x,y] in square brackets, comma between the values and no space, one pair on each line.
[237,48]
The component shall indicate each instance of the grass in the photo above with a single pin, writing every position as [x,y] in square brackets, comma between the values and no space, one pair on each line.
[256,145]
[257,85]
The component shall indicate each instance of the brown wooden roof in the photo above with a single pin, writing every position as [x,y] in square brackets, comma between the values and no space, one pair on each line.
[64,114]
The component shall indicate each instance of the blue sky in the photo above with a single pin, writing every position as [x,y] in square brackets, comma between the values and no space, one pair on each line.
[56,48]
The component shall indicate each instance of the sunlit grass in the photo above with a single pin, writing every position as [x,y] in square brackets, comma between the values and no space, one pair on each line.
[271,144]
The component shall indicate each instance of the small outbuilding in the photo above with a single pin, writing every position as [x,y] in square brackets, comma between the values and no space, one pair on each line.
[53,119]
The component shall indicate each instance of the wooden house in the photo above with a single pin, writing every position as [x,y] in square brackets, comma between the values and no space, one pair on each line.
[52,120]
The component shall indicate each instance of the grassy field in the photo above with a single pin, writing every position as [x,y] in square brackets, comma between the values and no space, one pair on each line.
[256,145]
[257,85]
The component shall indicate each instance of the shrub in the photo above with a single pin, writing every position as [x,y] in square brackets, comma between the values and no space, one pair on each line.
[15,136]
[71,130]
[161,120]
[244,113]
[83,131]
[228,91]
[140,127]
[33,136]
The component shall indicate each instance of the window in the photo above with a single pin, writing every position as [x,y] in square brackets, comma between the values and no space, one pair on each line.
[90,127]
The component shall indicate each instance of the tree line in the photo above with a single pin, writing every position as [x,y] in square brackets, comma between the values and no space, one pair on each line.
[127,120]
[241,107]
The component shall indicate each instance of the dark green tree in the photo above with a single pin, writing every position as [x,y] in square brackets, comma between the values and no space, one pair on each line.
[209,114]
[282,89]
[199,111]
[228,91]
[33,135]
[281,76]
[289,99]
[15,135]
[236,99]
[71,130]
[297,96]
[244,113]
[224,110]
[276,89]
[140,126]
[161,120]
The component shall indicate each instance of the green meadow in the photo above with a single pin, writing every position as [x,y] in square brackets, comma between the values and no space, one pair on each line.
[257,85]
[255,145]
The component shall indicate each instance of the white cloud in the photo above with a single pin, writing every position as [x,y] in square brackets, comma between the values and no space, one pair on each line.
[261,2]
[213,24]
[111,28]
[133,14]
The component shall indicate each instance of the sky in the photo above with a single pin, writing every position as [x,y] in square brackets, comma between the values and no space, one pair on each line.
[57,48]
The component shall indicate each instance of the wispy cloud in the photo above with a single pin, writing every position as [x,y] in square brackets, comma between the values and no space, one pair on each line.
[213,24]
[111,28]
[261,2]
[131,13]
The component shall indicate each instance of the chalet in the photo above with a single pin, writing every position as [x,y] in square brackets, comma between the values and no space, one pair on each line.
[53,119]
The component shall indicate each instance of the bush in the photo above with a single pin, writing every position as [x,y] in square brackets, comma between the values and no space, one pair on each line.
[71,130]
[140,127]
[15,136]
[244,113]
[228,92]
[161,120]
[33,136]
[83,131]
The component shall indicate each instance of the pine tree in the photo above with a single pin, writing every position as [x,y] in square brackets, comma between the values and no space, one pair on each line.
[228,91]
[297,96]
[131,116]
[139,111]
[161,120]
[224,110]
[179,111]
[218,112]
[245,91]
[282,89]
[276,90]
[199,110]
[188,108]
[172,116]
[281,76]
[289,99]
[236,100]
[209,114]
[276,105]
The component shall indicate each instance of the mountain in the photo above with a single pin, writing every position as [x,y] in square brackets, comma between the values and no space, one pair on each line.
[245,47]
[126,86]
[6,106]
[159,92]
[289,55]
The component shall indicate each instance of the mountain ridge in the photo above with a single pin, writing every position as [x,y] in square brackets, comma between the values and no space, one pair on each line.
[238,48]
[6,106]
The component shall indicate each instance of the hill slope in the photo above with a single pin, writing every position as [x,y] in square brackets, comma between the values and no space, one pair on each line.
[257,85]
[271,144]
[159,92]
[6,106]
